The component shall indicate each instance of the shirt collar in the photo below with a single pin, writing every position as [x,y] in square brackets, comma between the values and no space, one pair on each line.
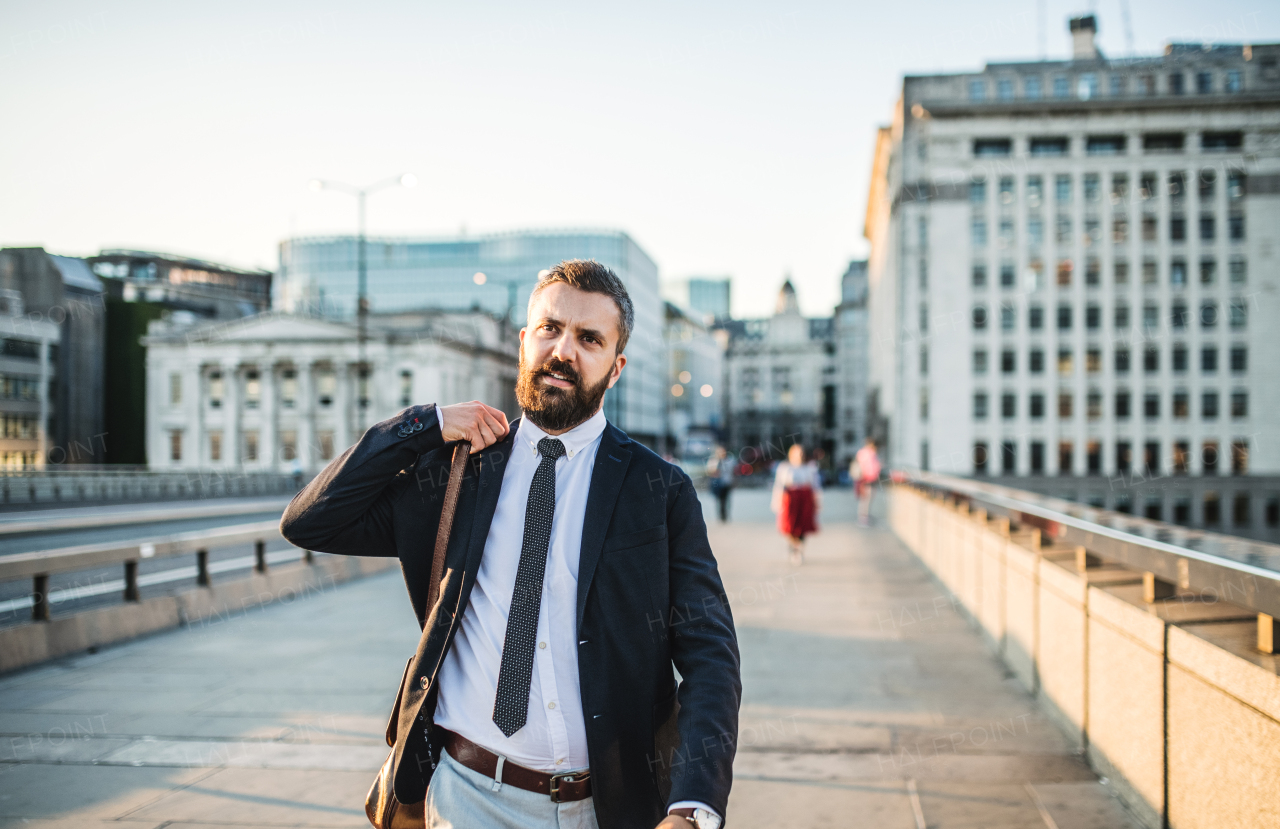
[574,440]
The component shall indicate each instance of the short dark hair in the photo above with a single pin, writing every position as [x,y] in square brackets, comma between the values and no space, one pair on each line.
[590,276]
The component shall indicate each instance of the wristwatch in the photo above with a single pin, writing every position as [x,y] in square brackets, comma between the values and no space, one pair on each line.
[700,818]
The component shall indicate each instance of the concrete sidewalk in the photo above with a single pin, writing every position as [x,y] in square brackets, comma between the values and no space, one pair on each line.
[868,702]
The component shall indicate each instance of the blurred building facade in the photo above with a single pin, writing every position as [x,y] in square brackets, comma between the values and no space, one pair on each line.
[695,373]
[52,319]
[282,392]
[709,298]
[494,274]
[1073,272]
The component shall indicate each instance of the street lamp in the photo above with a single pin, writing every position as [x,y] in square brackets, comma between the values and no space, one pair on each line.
[512,285]
[362,279]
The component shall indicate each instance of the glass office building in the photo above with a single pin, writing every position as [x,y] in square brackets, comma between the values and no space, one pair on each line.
[496,273]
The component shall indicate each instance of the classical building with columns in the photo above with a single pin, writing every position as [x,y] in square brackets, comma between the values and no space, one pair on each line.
[282,393]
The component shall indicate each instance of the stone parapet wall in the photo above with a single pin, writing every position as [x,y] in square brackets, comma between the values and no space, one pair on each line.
[1170,700]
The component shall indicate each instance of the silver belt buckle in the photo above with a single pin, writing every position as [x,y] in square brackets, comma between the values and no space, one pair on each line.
[566,777]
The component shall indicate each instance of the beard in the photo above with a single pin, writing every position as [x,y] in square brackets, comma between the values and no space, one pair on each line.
[552,408]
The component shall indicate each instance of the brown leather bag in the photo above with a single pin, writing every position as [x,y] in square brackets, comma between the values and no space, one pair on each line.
[380,805]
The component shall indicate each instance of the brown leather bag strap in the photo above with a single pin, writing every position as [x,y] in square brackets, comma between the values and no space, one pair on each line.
[461,451]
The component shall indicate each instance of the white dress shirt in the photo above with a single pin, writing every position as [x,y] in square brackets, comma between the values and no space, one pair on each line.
[555,737]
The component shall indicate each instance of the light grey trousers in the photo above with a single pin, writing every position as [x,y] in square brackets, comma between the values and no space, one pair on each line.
[459,798]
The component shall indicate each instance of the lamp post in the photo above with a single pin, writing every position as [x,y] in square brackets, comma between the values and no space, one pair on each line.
[512,286]
[362,275]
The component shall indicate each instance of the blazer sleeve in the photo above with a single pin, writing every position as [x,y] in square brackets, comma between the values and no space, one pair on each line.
[347,508]
[704,648]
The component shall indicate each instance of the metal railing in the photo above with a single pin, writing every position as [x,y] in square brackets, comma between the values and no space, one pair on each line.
[1236,570]
[39,566]
[74,484]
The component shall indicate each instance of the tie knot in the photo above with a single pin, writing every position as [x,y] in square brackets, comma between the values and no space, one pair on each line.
[550,448]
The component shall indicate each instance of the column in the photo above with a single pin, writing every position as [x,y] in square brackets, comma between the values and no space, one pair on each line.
[306,406]
[268,450]
[232,452]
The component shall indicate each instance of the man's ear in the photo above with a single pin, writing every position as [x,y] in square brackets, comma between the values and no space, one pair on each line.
[616,371]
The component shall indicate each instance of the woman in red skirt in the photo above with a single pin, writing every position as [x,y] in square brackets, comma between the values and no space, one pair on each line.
[797,499]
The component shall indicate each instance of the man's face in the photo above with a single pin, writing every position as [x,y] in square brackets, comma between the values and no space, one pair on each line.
[568,356]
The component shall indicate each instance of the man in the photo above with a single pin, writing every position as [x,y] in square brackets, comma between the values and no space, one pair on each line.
[578,574]
[720,471]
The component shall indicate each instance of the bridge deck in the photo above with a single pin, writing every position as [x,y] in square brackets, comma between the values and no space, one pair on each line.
[868,701]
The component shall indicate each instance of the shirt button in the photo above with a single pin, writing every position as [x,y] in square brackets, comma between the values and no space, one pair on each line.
[542,644]
[551,705]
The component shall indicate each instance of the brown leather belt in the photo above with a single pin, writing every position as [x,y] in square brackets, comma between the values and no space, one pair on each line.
[561,788]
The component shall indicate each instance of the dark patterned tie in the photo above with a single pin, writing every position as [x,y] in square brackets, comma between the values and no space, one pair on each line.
[511,708]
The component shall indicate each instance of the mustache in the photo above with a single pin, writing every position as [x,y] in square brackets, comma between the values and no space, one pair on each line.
[560,367]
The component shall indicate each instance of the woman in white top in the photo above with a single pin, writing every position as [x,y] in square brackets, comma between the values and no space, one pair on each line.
[797,500]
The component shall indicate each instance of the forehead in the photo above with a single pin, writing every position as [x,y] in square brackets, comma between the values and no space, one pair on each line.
[575,307]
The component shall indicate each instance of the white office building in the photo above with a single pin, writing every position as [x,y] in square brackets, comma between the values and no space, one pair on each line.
[286,393]
[1074,271]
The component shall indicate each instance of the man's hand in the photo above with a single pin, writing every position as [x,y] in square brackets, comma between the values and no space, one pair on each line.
[482,425]
[675,822]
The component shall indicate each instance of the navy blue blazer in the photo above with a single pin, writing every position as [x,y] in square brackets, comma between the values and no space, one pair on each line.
[650,599]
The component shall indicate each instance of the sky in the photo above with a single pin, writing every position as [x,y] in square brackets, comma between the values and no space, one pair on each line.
[727,138]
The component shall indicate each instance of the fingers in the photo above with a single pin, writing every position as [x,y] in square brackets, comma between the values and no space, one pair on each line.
[476,423]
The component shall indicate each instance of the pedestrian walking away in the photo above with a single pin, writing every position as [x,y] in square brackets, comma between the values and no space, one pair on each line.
[720,471]
[865,472]
[797,500]
[543,690]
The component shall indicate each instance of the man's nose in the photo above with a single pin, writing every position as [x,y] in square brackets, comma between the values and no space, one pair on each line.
[565,348]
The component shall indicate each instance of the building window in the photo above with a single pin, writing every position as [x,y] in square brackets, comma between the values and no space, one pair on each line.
[1006,189]
[1065,407]
[324,439]
[1092,317]
[978,232]
[1066,453]
[980,406]
[1066,364]
[1208,180]
[1064,317]
[1008,361]
[1151,359]
[979,275]
[1209,359]
[1151,406]
[1009,458]
[1237,269]
[1204,82]
[1181,405]
[1209,405]
[215,446]
[1093,405]
[288,388]
[1006,233]
[1221,141]
[1179,359]
[1036,406]
[1178,314]
[326,387]
[1087,86]
[924,316]
[1061,87]
[1209,457]
[1208,315]
[1035,190]
[175,389]
[1235,227]
[1232,82]
[1008,317]
[1062,188]
[1122,361]
[1035,361]
[1008,406]
[1035,230]
[1004,89]
[1178,273]
[1177,228]
[1150,316]
[1238,312]
[1240,509]
[1207,228]
[980,458]
[252,389]
[1151,457]
[1235,185]
[1037,457]
[1117,85]
[977,90]
[1049,147]
[978,192]
[1093,273]
[1240,457]
[175,445]
[979,317]
[1122,405]
[1150,228]
[1181,457]
[1239,359]
[1124,456]
[1064,273]
[1105,145]
[1093,360]
[362,388]
[1032,88]
[288,445]
[1121,317]
[1176,81]
[216,389]
[1240,404]
[992,147]
[924,362]
[406,387]
[980,361]
[250,446]
[1208,271]
[1212,509]
[1146,84]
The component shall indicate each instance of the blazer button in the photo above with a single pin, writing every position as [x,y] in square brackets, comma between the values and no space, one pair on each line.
[423,683]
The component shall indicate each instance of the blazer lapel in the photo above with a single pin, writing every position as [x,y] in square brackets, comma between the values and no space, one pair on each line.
[612,461]
[493,463]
